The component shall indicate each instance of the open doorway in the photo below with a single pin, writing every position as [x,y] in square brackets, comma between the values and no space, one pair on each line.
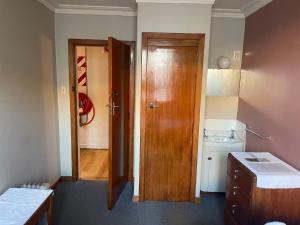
[102,112]
[93,121]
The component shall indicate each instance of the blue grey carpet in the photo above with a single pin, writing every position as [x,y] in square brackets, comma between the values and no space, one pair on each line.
[85,203]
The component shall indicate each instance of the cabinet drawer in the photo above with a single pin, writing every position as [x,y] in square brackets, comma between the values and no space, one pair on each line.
[228,218]
[239,208]
[232,166]
[239,184]
[238,179]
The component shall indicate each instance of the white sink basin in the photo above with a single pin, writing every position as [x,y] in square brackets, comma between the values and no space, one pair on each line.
[222,139]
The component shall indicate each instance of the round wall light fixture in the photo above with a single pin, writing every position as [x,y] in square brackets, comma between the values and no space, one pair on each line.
[224,62]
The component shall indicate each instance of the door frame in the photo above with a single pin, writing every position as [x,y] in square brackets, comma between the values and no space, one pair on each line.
[72,44]
[175,36]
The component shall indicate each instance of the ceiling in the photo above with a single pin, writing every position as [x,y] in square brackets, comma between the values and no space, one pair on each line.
[232,4]
[221,8]
[219,4]
[121,3]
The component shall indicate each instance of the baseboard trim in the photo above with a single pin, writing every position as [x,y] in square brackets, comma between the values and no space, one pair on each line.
[93,149]
[55,184]
[135,198]
[94,146]
[66,178]
[197,200]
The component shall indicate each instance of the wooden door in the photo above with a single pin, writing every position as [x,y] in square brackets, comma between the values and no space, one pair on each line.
[119,71]
[172,73]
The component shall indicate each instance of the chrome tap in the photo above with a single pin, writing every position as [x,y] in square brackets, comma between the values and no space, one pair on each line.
[204,134]
[232,135]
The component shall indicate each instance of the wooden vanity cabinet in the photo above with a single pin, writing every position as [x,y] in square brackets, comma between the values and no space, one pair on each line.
[248,205]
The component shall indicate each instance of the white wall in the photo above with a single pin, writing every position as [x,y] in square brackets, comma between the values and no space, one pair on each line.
[227,36]
[29,149]
[82,27]
[176,18]
[96,134]
[221,107]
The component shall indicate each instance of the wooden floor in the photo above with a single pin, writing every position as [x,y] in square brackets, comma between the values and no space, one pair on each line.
[93,164]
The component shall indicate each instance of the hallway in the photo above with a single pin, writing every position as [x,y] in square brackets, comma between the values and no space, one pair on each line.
[93,164]
[85,203]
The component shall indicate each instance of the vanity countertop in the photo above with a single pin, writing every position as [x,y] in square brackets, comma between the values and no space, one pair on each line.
[270,171]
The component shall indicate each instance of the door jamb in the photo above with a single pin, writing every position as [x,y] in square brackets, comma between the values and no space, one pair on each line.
[72,43]
[143,156]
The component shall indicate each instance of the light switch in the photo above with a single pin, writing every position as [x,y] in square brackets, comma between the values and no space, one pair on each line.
[237,55]
[63,90]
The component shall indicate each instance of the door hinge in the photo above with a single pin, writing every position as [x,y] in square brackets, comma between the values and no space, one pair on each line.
[73,88]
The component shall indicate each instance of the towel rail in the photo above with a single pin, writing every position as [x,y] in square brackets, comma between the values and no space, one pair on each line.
[269,138]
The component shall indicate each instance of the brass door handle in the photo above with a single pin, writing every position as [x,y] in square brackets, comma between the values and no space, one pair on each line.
[152,105]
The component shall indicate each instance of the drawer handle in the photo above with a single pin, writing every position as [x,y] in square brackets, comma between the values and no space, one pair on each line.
[234,193]
[234,208]
[235,177]
[236,187]
[236,171]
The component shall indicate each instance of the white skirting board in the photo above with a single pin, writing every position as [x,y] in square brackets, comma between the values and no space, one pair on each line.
[93,146]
